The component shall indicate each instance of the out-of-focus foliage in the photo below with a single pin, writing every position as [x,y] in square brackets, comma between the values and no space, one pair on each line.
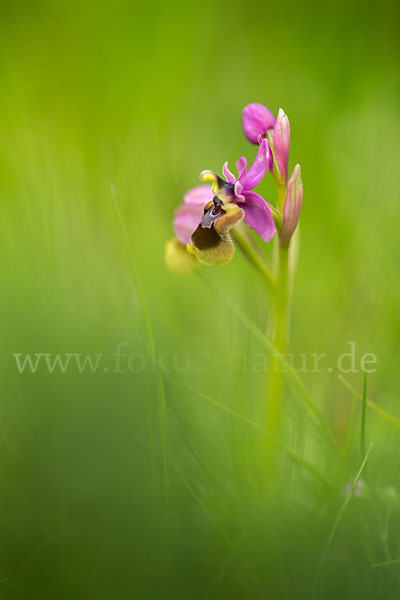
[104,494]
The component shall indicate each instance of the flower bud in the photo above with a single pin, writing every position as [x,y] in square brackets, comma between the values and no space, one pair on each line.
[291,210]
[256,121]
[281,143]
[178,259]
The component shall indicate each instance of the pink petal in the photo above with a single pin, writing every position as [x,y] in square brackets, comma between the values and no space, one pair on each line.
[186,220]
[258,216]
[258,169]
[199,195]
[239,192]
[241,165]
[281,141]
[227,174]
[256,120]
[291,210]
[270,160]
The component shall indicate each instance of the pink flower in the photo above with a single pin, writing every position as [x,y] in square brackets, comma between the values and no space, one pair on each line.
[257,212]
[257,120]
[259,123]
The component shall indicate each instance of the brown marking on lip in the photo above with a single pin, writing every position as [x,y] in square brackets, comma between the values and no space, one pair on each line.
[212,213]
[211,240]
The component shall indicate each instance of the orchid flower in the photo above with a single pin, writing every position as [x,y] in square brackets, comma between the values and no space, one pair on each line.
[209,212]
[257,212]
[202,224]
[204,220]
[259,123]
[257,120]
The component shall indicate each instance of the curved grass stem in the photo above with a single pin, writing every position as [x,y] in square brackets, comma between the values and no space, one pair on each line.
[252,251]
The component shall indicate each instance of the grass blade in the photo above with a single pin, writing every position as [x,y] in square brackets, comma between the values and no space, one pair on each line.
[363,415]
[339,518]
[273,351]
[291,453]
[162,405]
[387,563]
[380,411]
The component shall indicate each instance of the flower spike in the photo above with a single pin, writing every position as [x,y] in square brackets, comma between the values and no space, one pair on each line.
[209,211]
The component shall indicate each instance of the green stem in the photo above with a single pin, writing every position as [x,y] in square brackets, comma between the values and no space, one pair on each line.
[279,289]
[276,375]
[281,196]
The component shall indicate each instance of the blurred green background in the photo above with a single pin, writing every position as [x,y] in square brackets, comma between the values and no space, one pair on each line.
[104,494]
